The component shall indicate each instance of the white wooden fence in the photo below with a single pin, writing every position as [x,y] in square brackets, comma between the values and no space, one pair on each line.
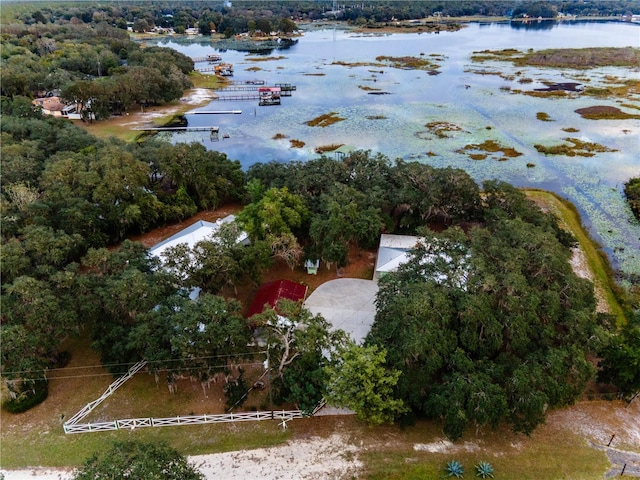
[133,423]
[88,408]
[73,426]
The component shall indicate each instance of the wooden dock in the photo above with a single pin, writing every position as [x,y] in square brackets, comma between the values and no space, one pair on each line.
[213,58]
[285,88]
[236,98]
[247,82]
[213,112]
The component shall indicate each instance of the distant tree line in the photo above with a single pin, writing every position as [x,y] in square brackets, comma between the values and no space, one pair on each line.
[96,66]
[277,15]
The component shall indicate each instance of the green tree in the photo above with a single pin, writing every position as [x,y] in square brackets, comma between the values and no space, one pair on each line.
[134,460]
[300,346]
[198,337]
[345,217]
[620,364]
[277,213]
[209,178]
[361,382]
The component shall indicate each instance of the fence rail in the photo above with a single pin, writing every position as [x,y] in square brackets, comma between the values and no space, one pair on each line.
[73,426]
[133,423]
[88,408]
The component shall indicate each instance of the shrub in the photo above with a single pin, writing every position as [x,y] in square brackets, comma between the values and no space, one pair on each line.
[29,395]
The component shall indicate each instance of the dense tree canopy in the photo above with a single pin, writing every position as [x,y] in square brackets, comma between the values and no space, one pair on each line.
[133,460]
[490,326]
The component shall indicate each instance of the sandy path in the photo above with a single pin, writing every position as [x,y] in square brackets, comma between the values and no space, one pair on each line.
[315,458]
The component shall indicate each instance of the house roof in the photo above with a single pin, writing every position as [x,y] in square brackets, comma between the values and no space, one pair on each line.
[191,235]
[270,293]
[50,104]
[393,252]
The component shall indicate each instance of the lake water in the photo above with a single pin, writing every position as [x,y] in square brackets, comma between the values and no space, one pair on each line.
[321,64]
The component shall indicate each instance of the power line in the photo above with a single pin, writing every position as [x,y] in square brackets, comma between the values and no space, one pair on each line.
[107,365]
[162,370]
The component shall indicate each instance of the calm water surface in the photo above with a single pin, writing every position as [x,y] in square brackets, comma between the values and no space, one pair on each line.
[482,106]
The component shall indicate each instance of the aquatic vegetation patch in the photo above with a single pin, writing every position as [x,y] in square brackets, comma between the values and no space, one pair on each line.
[328,148]
[581,58]
[368,88]
[441,129]
[630,105]
[544,117]
[264,59]
[485,72]
[376,117]
[575,147]
[490,55]
[570,130]
[604,112]
[546,93]
[296,143]
[625,88]
[358,64]
[314,74]
[253,69]
[325,120]
[578,58]
[279,136]
[408,63]
[474,151]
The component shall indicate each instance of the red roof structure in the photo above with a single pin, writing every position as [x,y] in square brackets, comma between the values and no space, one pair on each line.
[271,292]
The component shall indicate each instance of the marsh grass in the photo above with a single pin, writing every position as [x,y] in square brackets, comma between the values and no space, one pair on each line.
[581,58]
[544,117]
[546,93]
[602,112]
[624,89]
[408,63]
[325,120]
[264,59]
[296,143]
[441,129]
[358,64]
[489,146]
[328,148]
[577,58]
[575,147]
